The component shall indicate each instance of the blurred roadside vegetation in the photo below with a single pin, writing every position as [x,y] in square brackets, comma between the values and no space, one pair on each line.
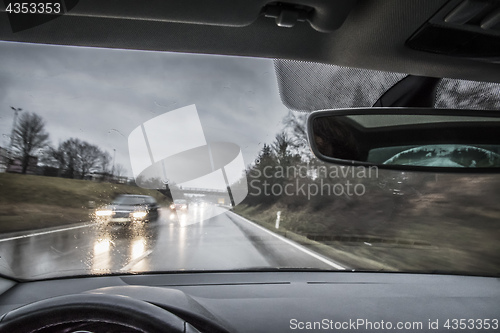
[429,222]
[29,202]
[403,221]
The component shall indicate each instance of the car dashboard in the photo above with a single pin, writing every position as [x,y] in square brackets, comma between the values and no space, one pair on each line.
[285,301]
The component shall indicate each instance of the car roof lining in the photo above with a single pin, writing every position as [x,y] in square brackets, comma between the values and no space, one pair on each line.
[373,35]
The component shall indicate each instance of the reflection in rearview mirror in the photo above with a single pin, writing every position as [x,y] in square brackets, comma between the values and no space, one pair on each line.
[415,139]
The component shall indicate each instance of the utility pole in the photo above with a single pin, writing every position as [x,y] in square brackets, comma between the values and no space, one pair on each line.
[16,111]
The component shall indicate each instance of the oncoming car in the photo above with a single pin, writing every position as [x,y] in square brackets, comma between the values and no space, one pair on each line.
[179,205]
[129,208]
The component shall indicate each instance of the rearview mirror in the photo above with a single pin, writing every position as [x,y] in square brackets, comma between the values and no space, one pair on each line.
[408,139]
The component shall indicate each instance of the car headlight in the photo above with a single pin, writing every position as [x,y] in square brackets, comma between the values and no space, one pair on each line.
[139,215]
[104,212]
[184,207]
[172,206]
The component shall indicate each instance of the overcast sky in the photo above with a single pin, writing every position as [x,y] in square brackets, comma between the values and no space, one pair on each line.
[101,95]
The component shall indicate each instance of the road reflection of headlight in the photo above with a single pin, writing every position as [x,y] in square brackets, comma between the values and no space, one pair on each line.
[182,218]
[101,246]
[139,215]
[104,212]
[138,247]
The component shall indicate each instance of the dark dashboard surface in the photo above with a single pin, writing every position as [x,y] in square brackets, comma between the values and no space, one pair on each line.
[291,301]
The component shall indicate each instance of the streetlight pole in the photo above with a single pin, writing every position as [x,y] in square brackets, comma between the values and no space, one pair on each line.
[16,111]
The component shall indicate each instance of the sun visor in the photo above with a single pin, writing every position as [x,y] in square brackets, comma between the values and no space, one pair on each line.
[307,87]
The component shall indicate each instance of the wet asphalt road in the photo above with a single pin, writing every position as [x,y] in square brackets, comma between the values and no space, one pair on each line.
[185,242]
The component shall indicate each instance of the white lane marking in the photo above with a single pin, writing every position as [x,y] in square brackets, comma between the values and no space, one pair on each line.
[135,261]
[297,246]
[45,232]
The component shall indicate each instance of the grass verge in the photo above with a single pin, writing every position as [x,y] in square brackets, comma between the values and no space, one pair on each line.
[29,202]
[440,224]
[347,259]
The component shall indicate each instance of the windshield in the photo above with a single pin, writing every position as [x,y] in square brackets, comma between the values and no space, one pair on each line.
[86,127]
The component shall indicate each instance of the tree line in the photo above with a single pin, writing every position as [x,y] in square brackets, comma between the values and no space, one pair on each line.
[71,158]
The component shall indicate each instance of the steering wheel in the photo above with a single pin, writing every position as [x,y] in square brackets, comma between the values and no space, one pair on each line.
[92,313]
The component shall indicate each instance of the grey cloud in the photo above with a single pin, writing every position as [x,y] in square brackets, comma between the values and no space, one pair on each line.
[101,95]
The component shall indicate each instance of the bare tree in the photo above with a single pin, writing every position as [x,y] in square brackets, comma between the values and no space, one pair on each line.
[119,170]
[59,158]
[46,157]
[70,149]
[76,158]
[89,156]
[105,162]
[29,135]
